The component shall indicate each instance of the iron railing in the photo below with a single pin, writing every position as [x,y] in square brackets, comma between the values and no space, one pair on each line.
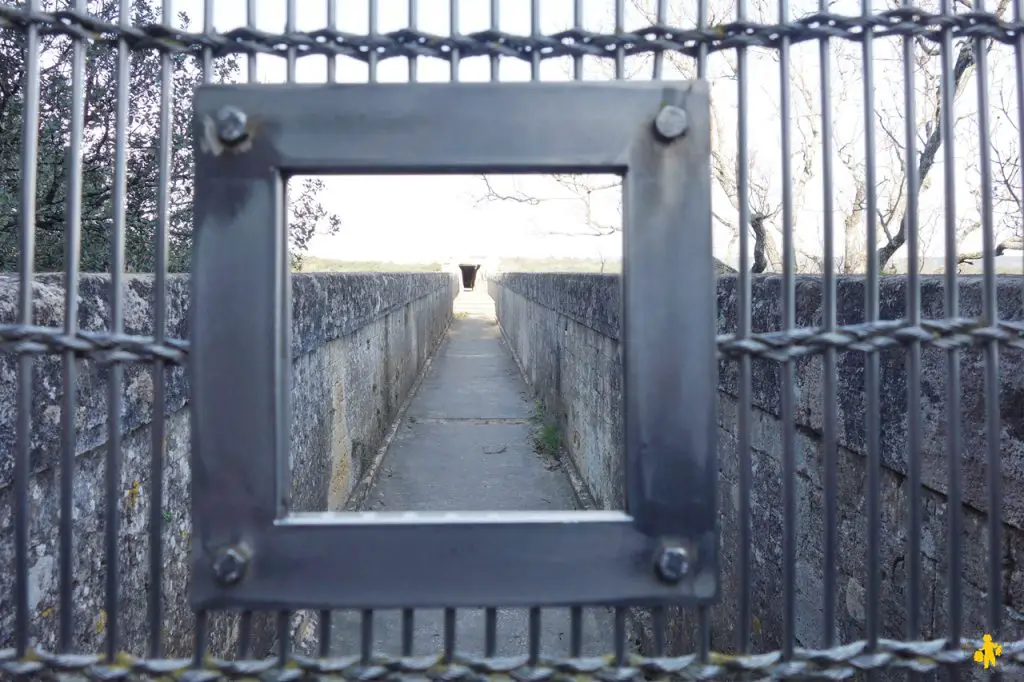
[946,30]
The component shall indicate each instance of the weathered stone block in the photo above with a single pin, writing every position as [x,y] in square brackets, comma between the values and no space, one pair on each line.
[543,315]
[358,343]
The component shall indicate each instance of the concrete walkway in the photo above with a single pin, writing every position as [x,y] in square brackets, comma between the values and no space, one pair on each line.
[467,444]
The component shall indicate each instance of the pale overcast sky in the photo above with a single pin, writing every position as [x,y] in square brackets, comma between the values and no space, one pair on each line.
[427,218]
[430,218]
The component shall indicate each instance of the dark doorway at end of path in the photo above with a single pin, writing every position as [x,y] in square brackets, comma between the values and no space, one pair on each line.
[468,276]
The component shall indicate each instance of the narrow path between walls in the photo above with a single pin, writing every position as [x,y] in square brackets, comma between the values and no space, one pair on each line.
[468,443]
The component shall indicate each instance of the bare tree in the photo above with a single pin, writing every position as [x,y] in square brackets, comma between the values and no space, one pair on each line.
[892,190]
[1005,190]
[764,198]
[577,188]
[517,195]
[890,193]
[1006,177]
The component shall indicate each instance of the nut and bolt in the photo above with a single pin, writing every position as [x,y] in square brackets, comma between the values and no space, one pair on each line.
[231,125]
[230,564]
[672,563]
[671,122]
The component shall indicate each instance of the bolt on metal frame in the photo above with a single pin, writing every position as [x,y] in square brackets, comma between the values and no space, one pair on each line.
[24,340]
[661,550]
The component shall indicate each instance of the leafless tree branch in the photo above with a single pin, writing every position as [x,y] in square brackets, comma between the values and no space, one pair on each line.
[1015,243]
[961,69]
[492,195]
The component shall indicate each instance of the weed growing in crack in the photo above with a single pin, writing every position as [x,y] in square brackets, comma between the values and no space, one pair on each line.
[549,440]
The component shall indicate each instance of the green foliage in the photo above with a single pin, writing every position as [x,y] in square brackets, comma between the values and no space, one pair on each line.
[144,202]
[548,440]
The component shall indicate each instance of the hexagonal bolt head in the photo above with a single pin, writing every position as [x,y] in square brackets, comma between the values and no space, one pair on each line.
[671,122]
[229,565]
[231,125]
[672,564]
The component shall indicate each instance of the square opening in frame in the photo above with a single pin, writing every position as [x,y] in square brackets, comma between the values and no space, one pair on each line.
[251,549]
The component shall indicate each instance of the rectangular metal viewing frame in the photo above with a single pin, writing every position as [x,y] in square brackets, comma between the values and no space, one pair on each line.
[248,550]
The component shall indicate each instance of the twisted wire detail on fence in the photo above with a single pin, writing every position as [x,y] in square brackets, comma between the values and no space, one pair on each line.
[19,340]
[947,334]
[569,43]
[836,663]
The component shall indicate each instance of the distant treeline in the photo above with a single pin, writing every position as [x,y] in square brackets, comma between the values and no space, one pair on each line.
[314,264]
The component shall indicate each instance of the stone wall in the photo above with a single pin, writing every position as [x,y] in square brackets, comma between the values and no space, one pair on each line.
[359,342]
[565,331]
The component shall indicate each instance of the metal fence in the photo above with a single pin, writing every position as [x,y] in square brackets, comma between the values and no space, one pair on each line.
[952,38]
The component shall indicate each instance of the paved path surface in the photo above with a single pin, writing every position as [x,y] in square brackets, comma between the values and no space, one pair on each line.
[467,444]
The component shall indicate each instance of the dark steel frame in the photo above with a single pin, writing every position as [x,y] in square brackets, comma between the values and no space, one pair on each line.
[241,359]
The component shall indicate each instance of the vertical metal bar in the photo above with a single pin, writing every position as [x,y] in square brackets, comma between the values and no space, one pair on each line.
[245,634]
[490,632]
[535,34]
[577,23]
[158,424]
[72,254]
[702,49]
[534,635]
[991,315]
[951,308]
[658,69]
[575,631]
[495,26]
[282,299]
[332,77]
[413,24]
[245,621]
[289,28]
[284,470]
[284,617]
[371,61]
[199,648]
[659,616]
[113,463]
[27,237]
[250,59]
[619,657]
[915,517]
[366,637]
[704,633]
[829,406]
[408,621]
[283,637]
[871,370]
[325,633]
[208,29]
[332,24]
[786,369]
[1018,55]
[449,635]
[620,28]
[743,328]
[453,30]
